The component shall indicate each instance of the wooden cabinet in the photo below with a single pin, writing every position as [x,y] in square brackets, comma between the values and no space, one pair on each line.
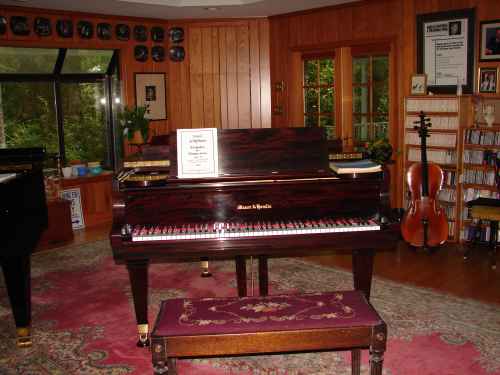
[96,197]
[59,230]
[447,115]
[480,164]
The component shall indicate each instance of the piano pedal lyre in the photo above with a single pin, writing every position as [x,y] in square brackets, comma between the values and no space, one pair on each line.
[205,271]
[143,330]
[23,339]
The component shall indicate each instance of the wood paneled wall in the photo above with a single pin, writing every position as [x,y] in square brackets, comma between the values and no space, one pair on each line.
[364,22]
[229,74]
[223,82]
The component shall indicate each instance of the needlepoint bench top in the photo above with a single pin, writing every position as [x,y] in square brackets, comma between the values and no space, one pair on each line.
[231,315]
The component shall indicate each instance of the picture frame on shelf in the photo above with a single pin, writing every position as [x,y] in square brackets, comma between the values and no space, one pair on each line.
[445,50]
[418,84]
[150,92]
[490,41]
[487,80]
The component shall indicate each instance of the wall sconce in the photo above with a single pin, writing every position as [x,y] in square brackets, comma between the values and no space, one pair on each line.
[280,86]
[278,110]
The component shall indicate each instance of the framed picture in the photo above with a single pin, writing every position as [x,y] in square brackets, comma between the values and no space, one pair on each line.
[150,92]
[418,84]
[445,50]
[487,80]
[490,41]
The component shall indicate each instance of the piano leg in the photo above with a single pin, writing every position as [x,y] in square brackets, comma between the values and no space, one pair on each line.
[263,276]
[362,270]
[17,273]
[138,275]
[241,275]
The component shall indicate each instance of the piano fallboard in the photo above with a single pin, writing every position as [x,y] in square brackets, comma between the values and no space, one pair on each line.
[274,246]
[247,200]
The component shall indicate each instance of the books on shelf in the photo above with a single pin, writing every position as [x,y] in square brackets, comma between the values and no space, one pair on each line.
[432,105]
[435,156]
[438,122]
[481,157]
[435,139]
[355,166]
[482,137]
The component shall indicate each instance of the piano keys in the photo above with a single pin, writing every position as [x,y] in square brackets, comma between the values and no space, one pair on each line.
[23,217]
[275,197]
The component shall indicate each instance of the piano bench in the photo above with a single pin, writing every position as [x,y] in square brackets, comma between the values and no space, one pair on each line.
[191,328]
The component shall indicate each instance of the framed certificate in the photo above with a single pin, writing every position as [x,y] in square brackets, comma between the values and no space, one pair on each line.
[445,50]
[197,153]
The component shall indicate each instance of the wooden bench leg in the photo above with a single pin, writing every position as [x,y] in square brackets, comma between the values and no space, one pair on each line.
[376,362]
[356,362]
[165,368]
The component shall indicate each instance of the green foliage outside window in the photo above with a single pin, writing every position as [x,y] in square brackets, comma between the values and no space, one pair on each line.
[370,98]
[319,94]
[27,109]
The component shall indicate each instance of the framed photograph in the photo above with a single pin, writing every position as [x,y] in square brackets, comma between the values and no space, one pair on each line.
[445,50]
[487,80]
[490,41]
[150,92]
[418,84]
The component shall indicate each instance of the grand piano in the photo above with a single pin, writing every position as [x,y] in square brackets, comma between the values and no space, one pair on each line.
[275,196]
[23,217]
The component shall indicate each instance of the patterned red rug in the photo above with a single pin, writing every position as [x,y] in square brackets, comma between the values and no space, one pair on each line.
[83,321]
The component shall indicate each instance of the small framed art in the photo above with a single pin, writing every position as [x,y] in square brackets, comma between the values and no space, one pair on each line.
[490,41]
[418,84]
[150,92]
[487,80]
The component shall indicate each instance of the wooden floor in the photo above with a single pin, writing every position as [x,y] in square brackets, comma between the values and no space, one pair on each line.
[444,271]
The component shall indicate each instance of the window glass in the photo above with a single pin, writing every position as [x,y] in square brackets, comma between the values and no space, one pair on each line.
[79,61]
[370,98]
[29,115]
[360,70]
[319,94]
[84,109]
[27,60]
[27,108]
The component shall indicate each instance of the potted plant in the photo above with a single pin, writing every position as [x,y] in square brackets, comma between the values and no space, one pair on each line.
[380,151]
[135,125]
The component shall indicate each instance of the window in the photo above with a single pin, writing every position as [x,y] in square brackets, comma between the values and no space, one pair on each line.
[60,99]
[319,93]
[370,105]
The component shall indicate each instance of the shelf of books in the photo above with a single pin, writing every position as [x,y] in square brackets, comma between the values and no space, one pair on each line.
[480,165]
[447,115]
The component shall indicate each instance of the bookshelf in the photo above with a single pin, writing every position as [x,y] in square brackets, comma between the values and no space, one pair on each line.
[481,151]
[448,114]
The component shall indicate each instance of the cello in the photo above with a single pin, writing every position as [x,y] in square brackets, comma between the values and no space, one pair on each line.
[424,223]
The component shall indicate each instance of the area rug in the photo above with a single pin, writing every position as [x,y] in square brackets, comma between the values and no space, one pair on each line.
[83,320]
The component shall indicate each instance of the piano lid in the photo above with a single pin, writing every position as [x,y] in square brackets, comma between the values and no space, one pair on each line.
[266,151]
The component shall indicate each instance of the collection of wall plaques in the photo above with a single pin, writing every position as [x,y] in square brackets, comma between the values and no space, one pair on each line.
[42,26]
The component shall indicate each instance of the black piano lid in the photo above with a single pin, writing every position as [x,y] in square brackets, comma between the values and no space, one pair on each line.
[21,155]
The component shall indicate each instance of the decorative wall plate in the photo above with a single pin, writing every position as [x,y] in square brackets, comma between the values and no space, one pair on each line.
[140,33]
[64,28]
[42,26]
[19,25]
[176,34]
[104,31]
[158,53]
[141,53]
[157,34]
[3,25]
[176,53]
[122,31]
[85,29]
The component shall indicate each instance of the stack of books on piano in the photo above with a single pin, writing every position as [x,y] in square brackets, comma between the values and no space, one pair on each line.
[355,166]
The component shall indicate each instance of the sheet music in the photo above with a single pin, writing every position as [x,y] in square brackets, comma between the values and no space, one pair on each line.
[5,177]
